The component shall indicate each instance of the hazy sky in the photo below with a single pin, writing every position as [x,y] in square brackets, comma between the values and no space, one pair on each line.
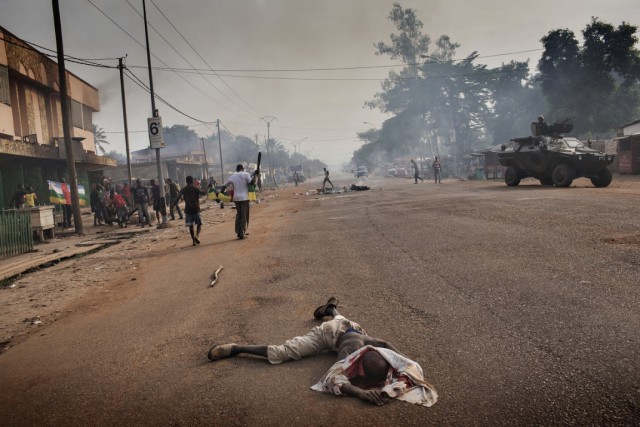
[267,37]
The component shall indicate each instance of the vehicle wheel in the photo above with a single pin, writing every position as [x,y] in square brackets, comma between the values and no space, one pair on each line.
[512,176]
[604,177]
[562,175]
[546,181]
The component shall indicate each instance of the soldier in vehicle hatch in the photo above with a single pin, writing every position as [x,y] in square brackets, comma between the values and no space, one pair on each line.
[543,127]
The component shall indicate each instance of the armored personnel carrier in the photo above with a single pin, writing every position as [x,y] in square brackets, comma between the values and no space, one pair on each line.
[553,158]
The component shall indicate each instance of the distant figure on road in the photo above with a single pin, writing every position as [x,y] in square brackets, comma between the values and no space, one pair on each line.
[295,177]
[240,181]
[191,195]
[367,368]
[416,172]
[437,170]
[141,198]
[326,179]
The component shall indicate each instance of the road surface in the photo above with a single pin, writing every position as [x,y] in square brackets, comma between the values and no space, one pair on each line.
[521,305]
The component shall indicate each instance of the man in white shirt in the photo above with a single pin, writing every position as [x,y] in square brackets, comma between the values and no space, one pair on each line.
[240,182]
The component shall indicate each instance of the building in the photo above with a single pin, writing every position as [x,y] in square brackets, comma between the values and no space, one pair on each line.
[32,148]
[176,164]
[628,147]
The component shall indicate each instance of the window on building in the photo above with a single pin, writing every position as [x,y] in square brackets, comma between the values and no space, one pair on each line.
[5,96]
[76,114]
[86,118]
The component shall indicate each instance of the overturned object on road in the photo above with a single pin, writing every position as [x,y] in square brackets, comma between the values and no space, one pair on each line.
[359,187]
[554,159]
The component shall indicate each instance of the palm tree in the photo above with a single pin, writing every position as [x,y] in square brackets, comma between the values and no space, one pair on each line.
[100,139]
[274,150]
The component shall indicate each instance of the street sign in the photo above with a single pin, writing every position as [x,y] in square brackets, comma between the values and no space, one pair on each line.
[154,124]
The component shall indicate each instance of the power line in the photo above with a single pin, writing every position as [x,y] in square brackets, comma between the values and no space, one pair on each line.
[140,83]
[160,60]
[203,60]
[54,55]
[181,56]
[364,67]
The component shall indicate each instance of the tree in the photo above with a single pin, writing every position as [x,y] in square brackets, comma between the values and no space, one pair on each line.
[597,83]
[181,139]
[442,96]
[117,156]
[516,101]
[100,139]
[277,155]
[409,43]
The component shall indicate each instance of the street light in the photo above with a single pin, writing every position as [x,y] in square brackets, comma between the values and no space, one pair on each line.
[268,120]
[298,144]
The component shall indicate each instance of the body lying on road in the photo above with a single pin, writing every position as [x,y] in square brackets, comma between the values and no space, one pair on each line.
[367,368]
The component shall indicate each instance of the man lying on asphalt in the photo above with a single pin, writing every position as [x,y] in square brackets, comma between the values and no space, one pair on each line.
[367,368]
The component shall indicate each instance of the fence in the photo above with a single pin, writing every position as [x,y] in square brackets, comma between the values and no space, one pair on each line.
[15,232]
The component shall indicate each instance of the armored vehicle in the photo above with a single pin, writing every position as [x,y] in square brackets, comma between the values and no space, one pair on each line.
[553,158]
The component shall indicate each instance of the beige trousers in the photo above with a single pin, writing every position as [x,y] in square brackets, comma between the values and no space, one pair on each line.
[319,339]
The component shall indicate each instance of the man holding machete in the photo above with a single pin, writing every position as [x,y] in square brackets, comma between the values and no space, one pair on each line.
[240,181]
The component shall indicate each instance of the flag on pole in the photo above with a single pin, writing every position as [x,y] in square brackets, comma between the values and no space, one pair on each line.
[59,194]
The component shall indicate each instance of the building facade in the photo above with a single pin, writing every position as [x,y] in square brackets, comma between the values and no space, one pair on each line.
[32,148]
[628,146]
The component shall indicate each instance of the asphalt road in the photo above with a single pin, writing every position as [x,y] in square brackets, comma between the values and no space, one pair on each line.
[520,304]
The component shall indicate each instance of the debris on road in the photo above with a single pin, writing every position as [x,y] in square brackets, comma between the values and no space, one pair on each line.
[215,276]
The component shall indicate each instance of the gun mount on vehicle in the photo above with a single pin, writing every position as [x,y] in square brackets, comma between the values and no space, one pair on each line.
[553,158]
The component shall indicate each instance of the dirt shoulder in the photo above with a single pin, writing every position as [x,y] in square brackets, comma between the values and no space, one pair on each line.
[39,298]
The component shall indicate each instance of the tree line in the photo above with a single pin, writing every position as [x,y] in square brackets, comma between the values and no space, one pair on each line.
[235,149]
[439,103]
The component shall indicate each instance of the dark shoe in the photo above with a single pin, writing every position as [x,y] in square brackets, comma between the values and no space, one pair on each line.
[241,236]
[221,351]
[196,240]
[324,310]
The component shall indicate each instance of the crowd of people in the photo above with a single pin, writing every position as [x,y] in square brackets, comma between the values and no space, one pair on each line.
[24,197]
[116,203]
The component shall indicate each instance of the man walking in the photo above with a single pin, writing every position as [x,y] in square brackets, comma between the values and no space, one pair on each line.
[141,197]
[240,182]
[191,195]
[437,170]
[173,196]
[326,179]
[416,172]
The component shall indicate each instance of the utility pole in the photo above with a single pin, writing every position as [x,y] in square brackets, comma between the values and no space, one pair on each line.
[205,165]
[222,179]
[66,128]
[268,120]
[126,127]
[153,125]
